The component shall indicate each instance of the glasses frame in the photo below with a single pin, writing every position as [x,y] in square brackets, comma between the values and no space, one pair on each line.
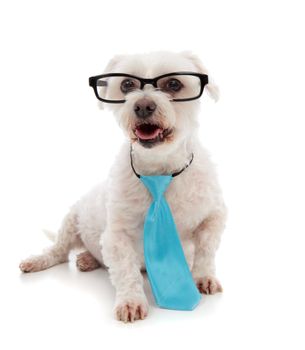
[204,80]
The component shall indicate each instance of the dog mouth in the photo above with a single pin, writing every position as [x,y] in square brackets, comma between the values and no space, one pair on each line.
[149,134]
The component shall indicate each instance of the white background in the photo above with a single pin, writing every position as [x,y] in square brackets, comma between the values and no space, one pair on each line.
[56,144]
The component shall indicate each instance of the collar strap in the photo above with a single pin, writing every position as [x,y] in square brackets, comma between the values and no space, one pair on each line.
[173,175]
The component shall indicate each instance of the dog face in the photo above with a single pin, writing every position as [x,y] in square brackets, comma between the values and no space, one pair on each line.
[149,116]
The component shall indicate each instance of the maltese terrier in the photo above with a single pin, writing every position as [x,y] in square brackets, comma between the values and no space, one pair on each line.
[155,99]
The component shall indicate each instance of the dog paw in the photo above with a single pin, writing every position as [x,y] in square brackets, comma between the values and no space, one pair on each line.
[131,310]
[208,285]
[33,264]
[86,262]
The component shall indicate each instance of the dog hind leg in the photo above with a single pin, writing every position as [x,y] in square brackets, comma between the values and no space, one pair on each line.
[85,261]
[66,240]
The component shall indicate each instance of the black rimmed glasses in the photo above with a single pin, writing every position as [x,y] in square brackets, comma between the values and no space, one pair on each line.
[179,86]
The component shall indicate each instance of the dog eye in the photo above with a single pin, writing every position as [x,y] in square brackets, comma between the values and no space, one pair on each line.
[128,85]
[174,85]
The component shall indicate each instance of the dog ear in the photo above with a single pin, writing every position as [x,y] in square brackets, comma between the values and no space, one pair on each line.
[112,63]
[211,88]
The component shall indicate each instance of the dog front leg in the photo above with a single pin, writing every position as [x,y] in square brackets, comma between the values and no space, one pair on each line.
[125,273]
[207,239]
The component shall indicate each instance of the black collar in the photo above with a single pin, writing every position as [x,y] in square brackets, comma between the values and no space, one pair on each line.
[173,175]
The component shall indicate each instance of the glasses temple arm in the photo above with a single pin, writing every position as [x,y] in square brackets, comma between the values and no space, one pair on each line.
[101,83]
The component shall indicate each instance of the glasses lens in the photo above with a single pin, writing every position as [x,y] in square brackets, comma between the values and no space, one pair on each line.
[115,88]
[180,87]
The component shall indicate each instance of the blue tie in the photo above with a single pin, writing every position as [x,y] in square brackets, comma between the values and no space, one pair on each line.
[169,275]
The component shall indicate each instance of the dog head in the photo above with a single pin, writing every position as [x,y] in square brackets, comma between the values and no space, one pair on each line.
[153,115]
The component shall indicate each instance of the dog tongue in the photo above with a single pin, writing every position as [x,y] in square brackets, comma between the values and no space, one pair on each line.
[145,135]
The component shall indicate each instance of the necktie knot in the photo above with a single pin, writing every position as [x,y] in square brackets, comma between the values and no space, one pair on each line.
[156,184]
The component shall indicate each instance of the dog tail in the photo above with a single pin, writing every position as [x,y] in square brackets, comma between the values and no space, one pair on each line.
[51,235]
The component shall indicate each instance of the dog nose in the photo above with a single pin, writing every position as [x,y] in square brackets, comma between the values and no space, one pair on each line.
[144,107]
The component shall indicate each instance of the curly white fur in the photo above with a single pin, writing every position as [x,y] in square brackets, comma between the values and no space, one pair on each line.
[108,221]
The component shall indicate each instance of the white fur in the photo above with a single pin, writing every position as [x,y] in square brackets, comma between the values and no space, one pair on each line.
[108,221]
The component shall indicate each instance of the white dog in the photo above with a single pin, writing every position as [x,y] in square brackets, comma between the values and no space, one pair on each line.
[162,137]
